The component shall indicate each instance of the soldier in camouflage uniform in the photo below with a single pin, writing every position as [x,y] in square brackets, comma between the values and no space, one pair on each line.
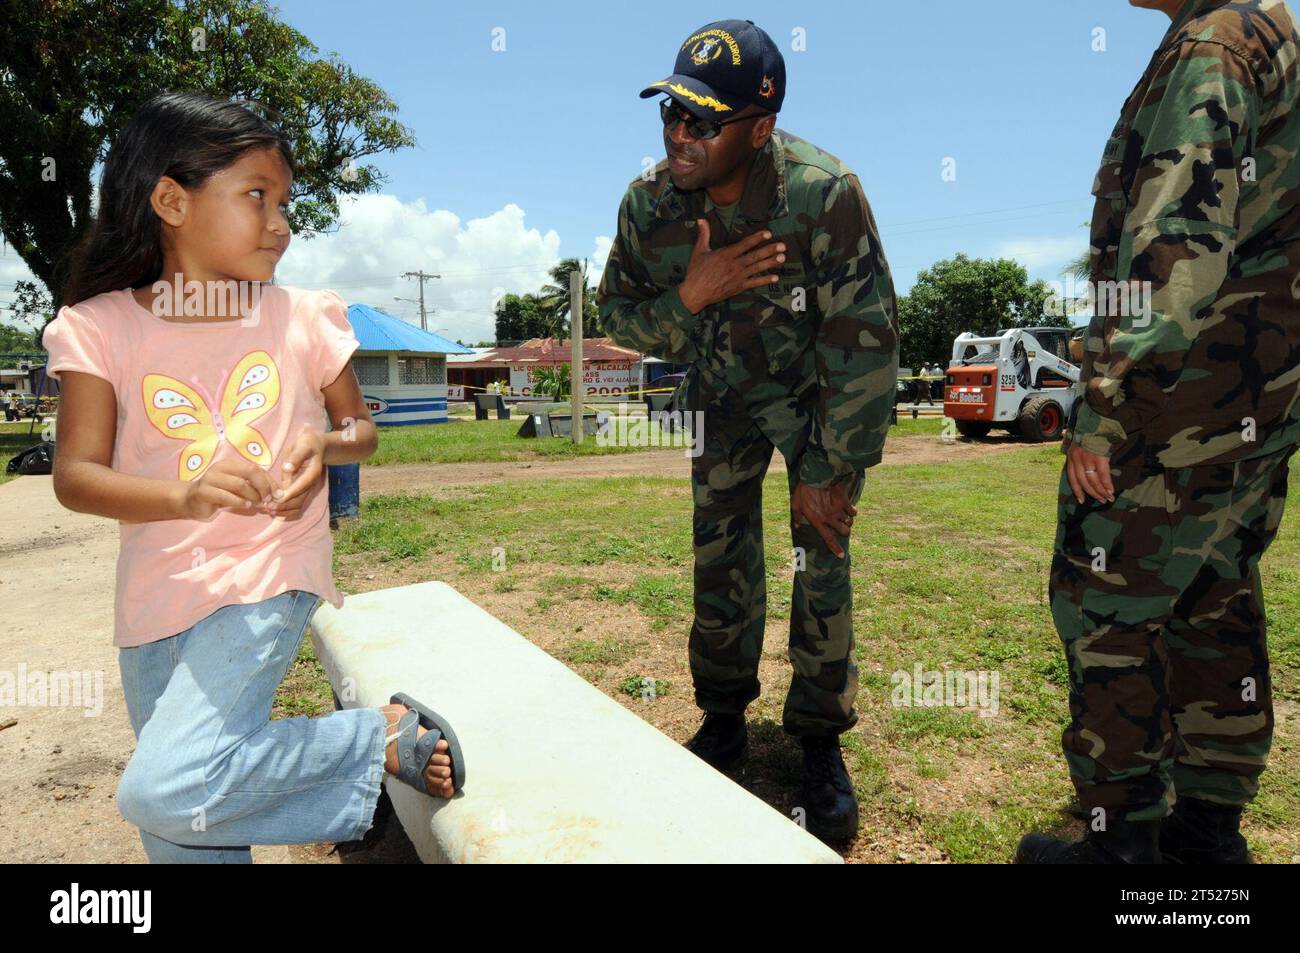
[753,255]
[1177,465]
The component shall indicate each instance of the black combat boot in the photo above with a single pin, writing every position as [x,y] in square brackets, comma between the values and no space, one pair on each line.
[1201,832]
[722,741]
[1123,842]
[827,793]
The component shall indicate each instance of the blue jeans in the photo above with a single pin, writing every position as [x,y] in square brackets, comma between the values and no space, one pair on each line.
[212,773]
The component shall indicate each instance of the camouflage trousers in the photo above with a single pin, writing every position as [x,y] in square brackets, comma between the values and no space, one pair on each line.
[1158,603]
[726,639]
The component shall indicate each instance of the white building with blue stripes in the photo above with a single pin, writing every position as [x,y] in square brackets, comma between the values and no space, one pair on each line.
[402,369]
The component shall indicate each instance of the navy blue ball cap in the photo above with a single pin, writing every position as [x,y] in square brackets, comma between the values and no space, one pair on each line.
[723,67]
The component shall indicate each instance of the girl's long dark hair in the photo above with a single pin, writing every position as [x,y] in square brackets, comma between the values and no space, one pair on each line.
[187,136]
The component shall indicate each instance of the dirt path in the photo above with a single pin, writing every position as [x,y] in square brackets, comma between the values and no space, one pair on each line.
[400,477]
[58,765]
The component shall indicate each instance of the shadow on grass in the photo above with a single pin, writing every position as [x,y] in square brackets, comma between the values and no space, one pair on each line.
[774,769]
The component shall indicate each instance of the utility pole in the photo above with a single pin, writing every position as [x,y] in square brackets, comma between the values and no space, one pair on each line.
[423,276]
[577,387]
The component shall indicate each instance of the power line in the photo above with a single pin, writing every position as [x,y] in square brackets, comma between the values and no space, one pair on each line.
[996,211]
[423,277]
[964,225]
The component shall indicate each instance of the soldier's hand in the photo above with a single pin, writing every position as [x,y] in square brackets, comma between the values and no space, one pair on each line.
[714,276]
[1089,473]
[827,510]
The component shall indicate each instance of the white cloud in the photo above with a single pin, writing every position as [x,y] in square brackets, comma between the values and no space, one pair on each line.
[380,237]
[1044,255]
[599,256]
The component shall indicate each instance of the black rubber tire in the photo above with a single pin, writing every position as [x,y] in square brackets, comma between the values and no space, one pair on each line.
[1041,420]
[974,429]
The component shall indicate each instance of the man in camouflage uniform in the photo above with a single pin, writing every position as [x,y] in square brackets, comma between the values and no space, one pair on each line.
[753,256]
[1177,464]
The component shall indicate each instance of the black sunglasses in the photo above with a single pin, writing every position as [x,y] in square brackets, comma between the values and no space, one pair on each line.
[672,113]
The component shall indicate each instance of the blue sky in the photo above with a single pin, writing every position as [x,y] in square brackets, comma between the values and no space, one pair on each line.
[523,154]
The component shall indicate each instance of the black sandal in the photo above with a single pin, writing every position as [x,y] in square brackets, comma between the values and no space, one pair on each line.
[412,755]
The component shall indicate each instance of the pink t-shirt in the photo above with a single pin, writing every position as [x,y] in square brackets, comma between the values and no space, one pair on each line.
[190,394]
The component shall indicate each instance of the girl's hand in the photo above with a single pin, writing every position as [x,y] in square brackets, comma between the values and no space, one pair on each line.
[231,482]
[304,466]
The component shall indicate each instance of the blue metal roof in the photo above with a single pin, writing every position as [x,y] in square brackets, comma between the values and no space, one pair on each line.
[378,331]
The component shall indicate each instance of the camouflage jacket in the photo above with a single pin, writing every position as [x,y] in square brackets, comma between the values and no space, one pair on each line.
[1198,216]
[830,322]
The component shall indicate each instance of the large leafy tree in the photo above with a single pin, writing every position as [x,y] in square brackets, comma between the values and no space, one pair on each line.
[30,307]
[15,341]
[968,294]
[72,73]
[519,317]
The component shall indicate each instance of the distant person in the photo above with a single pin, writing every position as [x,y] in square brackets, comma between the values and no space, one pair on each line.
[925,384]
[225,548]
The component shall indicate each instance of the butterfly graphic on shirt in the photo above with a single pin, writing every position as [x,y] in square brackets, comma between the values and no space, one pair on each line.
[179,411]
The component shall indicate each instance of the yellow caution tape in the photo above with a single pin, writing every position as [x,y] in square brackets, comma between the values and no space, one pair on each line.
[656,390]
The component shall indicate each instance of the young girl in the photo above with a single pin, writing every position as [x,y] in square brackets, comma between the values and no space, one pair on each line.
[193,410]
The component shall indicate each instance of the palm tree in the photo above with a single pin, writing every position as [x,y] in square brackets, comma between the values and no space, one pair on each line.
[552,381]
[1079,269]
[553,299]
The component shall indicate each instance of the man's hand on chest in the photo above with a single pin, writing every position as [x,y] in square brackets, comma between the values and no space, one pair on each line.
[716,275]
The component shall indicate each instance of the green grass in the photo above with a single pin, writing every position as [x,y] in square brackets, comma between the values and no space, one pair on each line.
[938,723]
[921,427]
[14,438]
[480,441]
[639,686]
[490,441]
[949,565]
[462,440]
[598,652]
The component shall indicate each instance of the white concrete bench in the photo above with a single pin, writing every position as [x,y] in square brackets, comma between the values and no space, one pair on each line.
[556,771]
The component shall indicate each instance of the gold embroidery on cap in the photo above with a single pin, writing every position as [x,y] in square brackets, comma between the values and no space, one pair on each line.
[695,97]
